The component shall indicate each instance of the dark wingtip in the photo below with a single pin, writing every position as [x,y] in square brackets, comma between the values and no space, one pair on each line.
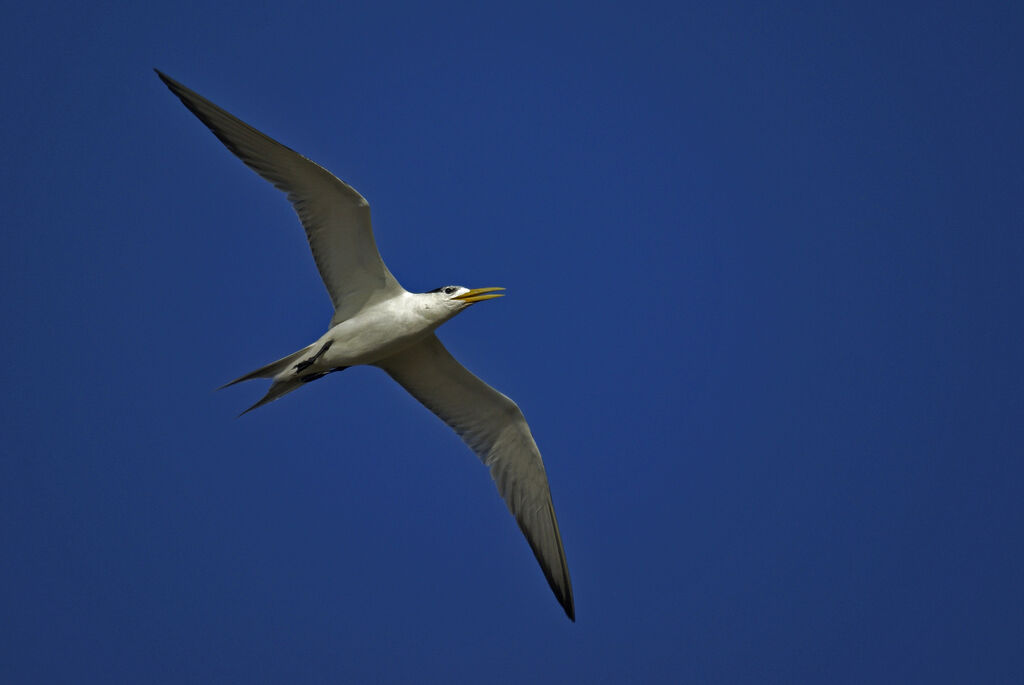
[560,584]
[566,600]
[171,84]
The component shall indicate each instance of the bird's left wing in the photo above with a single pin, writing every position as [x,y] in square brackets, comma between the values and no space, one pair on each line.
[336,217]
[494,428]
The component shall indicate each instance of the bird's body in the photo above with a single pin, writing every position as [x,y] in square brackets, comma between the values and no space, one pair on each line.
[377,322]
[387,327]
[371,336]
[379,331]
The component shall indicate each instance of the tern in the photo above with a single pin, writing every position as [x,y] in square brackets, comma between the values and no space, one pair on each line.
[377,322]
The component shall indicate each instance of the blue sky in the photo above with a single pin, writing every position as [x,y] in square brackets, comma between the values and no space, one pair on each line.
[764,317]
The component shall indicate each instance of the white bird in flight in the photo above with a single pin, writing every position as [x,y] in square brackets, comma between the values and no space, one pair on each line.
[377,322]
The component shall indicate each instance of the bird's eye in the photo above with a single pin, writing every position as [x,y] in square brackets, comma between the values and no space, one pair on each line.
[449,290]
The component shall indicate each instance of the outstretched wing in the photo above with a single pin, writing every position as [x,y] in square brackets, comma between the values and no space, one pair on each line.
[493,427]
[335,216]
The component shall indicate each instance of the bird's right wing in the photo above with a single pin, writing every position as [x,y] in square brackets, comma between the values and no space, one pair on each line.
[335,216]
[494,428]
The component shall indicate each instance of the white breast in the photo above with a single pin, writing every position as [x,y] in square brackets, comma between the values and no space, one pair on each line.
[380,331]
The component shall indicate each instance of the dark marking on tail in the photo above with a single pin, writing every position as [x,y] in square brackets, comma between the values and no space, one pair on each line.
[271,369]
[315,376]
[309,362]
[280,388]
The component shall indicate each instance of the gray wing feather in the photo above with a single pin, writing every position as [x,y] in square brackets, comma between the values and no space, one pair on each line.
[495,429]
[336,217]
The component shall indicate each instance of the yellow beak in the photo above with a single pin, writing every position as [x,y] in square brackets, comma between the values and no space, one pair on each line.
[477,295]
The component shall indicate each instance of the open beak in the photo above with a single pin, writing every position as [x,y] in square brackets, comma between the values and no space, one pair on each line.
[479,295]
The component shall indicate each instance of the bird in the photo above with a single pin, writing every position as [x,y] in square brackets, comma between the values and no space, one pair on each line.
[379,323]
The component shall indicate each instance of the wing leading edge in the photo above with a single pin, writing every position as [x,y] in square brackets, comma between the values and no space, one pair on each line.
[495,429]
[336,217]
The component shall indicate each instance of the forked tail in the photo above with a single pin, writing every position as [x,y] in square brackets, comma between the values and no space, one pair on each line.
[285,383]
[279,387]
[271,369]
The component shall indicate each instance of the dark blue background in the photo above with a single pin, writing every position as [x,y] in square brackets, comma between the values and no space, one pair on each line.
[764,316]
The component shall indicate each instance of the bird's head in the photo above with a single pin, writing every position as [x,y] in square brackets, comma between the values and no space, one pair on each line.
[455,298]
